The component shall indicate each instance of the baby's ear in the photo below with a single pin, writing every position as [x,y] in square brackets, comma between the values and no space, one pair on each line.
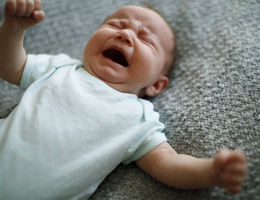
[159,86]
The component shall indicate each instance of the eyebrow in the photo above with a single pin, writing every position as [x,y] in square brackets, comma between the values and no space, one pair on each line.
[119,15]
[107,18]
[146,29]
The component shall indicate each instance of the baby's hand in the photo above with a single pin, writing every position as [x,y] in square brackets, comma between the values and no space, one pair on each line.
[21,14]
[229,170]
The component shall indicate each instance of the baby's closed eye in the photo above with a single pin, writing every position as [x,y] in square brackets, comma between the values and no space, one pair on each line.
[114,23]
[145,35]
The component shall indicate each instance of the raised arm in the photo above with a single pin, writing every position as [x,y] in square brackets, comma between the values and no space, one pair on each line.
[19,15]
[226,170]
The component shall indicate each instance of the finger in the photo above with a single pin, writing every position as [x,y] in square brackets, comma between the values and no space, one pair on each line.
[29,8]
[21,8]
[38,4]
[10,7]
[221,159]
[234,188]
[232,157]
[230,179]
[238,156]
[38,16]
[237,169]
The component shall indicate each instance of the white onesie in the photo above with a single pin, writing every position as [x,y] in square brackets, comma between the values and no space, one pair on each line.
[69,131]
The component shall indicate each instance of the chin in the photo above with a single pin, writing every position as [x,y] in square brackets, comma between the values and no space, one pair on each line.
[107,76]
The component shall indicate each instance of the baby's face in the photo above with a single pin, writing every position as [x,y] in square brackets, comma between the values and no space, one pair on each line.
[129,51]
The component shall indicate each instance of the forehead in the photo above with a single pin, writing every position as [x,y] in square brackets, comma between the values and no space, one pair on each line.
[147,16]
[149,19]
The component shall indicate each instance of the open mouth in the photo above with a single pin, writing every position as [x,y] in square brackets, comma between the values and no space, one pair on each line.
[116,56]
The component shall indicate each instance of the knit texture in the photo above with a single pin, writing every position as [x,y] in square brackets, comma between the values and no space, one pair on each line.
[214,96]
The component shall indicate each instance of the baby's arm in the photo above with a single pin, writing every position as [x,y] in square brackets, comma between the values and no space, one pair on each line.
[19,15]
[227,169]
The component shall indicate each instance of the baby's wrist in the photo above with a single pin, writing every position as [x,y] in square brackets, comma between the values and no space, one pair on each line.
[13,30]
[212,174]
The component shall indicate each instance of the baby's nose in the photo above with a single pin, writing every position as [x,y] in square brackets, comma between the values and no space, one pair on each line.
[124,36]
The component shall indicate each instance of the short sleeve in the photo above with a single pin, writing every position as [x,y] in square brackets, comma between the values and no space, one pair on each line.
[150,134]
[38,65]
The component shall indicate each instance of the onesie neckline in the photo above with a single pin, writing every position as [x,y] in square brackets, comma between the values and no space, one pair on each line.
[103,84]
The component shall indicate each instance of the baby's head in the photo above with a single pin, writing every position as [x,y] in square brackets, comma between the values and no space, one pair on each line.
[132,51]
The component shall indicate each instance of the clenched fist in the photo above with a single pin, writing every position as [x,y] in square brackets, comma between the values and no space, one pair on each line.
[229,170]
[21,14]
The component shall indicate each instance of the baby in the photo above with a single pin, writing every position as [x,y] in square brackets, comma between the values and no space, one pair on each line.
[78,120]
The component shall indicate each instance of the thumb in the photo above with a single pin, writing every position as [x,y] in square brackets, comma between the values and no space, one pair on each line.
[221,158]
[38,16]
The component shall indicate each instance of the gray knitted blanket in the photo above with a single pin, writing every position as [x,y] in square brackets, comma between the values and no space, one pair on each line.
[214,97]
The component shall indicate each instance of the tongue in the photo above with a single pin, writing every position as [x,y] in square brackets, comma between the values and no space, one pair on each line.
[116,56]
